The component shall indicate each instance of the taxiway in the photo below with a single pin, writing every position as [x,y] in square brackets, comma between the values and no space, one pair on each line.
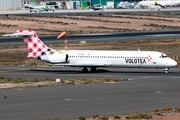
[145,91]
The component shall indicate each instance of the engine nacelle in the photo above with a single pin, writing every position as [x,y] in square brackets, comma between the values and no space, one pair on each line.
[56,57]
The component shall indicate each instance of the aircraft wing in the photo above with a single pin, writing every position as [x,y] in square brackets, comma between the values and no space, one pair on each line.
[84,64]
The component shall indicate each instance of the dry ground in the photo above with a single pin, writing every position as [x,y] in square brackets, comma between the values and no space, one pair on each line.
[93,24]
[89,24]
[166,116]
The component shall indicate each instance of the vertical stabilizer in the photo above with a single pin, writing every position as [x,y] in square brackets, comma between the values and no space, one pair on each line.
[34,3]
[36,47]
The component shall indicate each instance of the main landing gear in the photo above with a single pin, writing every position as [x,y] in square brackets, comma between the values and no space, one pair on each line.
[85,70]
[93,69]
[166,70]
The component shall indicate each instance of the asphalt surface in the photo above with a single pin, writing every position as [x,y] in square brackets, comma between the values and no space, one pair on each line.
[147,89]
[70,73]
[6,41]
[87,12]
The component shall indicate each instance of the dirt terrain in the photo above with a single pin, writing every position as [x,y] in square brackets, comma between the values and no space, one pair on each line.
[89,24]
[53,25]
[168,116]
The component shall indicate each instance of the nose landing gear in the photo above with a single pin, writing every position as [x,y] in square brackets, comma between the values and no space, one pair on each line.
[166,70]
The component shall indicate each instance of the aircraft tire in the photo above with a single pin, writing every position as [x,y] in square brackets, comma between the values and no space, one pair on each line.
[166,70]
[93,69]
[84,70]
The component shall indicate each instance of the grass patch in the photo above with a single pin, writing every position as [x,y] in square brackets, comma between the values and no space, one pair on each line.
[168,109]
[81,118]
[139,116]
[44,82]
[116,117]
[103,117]
[63,82]
[97,80]
[22,80]
[176,109]
[11,80]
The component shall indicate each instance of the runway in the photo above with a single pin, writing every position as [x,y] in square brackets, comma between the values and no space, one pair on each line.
[145,91]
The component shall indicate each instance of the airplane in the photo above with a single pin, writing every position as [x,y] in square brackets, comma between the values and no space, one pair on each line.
[149,4]
[157,4]
[38,8]
[97,7]
[92,59]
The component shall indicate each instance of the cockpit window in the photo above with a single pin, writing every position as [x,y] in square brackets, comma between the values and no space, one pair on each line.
[164,56]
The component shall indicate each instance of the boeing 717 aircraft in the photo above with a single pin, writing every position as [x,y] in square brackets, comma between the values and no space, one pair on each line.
[93,58]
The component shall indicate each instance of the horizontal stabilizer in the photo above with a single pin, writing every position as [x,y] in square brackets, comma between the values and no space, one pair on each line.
[18,34]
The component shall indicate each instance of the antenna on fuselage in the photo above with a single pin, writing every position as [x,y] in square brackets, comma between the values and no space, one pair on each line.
[63,34]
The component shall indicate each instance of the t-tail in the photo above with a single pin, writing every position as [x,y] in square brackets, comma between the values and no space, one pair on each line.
[36,47]
[34,3]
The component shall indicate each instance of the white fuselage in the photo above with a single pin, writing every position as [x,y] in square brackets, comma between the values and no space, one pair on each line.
[97,58]
[162,2]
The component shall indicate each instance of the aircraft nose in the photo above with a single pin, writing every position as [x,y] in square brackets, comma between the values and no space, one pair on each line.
[173,63]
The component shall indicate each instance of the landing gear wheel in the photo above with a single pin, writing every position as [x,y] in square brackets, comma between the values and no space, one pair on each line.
[93,69]
[166,70]
[84,70]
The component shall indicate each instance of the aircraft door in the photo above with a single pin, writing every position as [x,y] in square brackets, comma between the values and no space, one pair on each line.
[67,58]
[152,60]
